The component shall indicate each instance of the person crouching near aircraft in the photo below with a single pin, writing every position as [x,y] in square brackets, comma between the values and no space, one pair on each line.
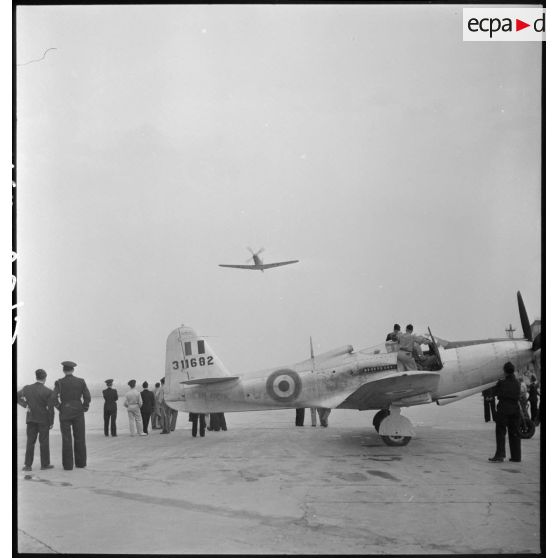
[507,416]
[133,402]
[36,398]
[407,342]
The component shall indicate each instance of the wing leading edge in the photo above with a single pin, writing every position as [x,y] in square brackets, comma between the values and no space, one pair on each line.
[259,267]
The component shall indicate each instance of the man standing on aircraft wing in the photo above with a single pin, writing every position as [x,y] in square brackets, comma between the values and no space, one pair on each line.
[394,335]
[507,416]
[407,342]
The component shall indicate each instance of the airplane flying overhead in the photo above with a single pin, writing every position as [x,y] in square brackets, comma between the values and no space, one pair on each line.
[258,262]
[371,379]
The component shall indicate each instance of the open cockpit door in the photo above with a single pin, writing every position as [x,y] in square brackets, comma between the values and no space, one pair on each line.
[434,348]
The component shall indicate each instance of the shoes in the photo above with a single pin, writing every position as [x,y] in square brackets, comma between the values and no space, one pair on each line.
[43,467]
[80,466]
[496,459]
[26,468]
[143,434]
[515,460]
[164,432]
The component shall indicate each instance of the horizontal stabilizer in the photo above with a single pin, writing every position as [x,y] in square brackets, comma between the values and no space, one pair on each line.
[210,380]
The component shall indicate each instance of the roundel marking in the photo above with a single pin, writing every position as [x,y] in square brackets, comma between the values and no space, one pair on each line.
[283,385]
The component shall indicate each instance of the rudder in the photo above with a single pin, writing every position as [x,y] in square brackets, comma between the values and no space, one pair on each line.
[189,357]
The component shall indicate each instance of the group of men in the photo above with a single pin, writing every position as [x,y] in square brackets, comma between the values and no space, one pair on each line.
[409,352]
[142,407]
[72,398]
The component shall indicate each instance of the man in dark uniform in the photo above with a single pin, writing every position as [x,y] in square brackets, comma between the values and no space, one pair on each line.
[110,396]
[71,397]
[507,416]
[40,418]
[148,404]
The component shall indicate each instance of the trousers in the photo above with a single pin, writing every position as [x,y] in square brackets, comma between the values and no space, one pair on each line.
[145,416]
[323,413]
[35,429]
[195,418]
[489,410]
[509,423]
[73,449]
[110,416]
[134,418]
[164,409]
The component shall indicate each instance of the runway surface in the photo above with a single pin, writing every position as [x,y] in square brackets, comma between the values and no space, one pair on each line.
[266,486]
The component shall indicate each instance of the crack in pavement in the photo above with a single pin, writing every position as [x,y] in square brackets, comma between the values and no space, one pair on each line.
[36,540]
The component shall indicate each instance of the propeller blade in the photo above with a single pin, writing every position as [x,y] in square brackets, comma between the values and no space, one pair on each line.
[259,251]
[250,250]
[524,319]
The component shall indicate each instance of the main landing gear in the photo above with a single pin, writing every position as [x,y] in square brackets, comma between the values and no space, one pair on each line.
[394,429]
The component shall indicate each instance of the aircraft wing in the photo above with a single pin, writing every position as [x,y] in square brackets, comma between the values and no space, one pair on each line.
[241,266]
[381,393]
[457,344]
[276,264]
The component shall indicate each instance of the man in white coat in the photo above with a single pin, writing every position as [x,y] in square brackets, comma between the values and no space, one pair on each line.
[133,402]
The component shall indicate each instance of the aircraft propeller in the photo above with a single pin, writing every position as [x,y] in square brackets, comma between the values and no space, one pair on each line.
[524,319]
[526,326]
[253,253]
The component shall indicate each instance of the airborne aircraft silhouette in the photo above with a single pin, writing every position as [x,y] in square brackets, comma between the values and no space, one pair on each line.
[258,262]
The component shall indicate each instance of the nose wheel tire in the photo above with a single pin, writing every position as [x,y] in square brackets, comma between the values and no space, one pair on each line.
[396,440]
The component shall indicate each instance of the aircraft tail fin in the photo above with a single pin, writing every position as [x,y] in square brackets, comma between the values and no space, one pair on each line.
[190,359]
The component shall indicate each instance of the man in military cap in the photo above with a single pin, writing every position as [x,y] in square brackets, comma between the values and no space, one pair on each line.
[507,416]
[40,418]
[110,395]
[71,397]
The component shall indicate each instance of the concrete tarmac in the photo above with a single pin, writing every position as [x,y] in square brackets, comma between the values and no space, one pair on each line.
[266,486]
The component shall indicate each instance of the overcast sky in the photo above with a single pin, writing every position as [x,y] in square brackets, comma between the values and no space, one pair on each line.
[398,163]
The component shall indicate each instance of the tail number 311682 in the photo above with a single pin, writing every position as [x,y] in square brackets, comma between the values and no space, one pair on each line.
[192,362]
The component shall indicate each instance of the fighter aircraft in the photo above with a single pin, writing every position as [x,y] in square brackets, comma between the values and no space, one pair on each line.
[371,379]
[258,262]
